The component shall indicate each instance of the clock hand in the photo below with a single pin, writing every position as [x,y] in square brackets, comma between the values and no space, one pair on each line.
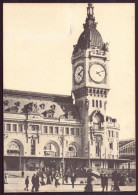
[98,73]
[101,71]
[80,72]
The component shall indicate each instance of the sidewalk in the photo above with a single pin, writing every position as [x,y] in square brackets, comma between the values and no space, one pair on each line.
[17,185]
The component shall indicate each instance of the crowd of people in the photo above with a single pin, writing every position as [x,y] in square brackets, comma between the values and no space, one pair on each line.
[45,177]
[48,176]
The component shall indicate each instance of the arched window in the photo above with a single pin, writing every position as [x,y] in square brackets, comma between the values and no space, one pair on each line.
[97,103]
[72,151]
[13,149]
[100,104]
[92,103]
[50,150]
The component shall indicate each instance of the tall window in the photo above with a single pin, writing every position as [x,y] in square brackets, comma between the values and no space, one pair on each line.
[51,130]
[77,131]
[100,104]
[109,133]
[67,130]
[45,129]
[20,128]
[33,147]
[72,131]
[97,149]
[111,145]
[112,134]
[56,130]
[35,127]
[97,103]
[14,127]
[8,127]
[92,103]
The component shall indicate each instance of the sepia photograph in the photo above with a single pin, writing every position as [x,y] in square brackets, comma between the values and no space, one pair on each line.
[69,97]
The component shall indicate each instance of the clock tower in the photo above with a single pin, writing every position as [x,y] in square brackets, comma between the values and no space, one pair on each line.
[90,85]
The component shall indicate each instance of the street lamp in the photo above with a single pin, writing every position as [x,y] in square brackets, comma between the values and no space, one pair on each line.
[62,143]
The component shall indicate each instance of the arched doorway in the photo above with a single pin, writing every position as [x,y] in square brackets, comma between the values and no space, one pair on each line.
[14,152]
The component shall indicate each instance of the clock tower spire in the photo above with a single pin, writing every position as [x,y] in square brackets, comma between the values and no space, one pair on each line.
[90,82]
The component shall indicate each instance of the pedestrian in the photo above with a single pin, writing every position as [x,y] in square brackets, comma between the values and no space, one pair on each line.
[66,177]
[48,179]
[116,181]
[104,181]
[22,174]
[37,183]
[27,183]
[90,178]
[73,179]
[42,179]
[34,182]
[52,174]
[57,179]
[6,178]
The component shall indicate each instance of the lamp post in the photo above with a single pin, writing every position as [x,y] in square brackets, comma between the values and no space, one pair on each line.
[62,142]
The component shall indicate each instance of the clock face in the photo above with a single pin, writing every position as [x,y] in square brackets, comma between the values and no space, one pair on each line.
[79,72]
[97,73]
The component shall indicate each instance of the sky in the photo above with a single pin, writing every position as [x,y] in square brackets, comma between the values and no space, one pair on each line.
[38,43]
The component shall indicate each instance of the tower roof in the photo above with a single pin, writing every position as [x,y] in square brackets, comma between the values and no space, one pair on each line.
[90,37]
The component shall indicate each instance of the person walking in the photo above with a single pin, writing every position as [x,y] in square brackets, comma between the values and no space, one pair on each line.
[22,174]
[89,186]
[26,183]
[102,181]
[34,182]
[106,181]
[6,178]
[116,179]
[52,174]
[48,178]
[57,179]
[66,177]
[73,179]
[37,183]
[42,179]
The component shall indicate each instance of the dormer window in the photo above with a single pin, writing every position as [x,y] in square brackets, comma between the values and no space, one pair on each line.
[53,107]
[42,106]
[17,104]
[48,113]
[6,102]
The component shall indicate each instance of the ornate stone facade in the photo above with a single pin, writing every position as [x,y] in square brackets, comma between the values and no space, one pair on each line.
[49,130]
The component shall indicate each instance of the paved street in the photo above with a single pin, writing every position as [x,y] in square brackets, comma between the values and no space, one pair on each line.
[17,185]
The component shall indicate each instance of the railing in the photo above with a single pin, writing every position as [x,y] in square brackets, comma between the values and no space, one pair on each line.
[127,154]
[71,154]
[50,153]
[13,153]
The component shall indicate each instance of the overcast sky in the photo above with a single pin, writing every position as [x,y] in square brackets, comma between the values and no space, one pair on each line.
[38,45]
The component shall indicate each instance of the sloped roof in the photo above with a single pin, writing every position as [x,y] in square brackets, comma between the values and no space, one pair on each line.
[32,102]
